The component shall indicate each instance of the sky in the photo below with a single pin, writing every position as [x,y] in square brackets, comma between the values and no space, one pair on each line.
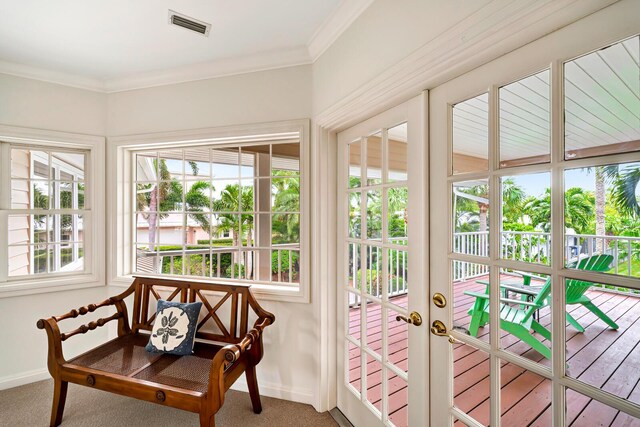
[536,184]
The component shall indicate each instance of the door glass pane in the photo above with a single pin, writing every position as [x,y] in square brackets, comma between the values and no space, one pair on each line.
[601,208]
[355,219]
[374,214]
[398,277]
[374,382]
[372,273]
[397,153]
[525,315]
[397,218]
[602,337]
[374,326]
[374,159]
[355,316]
[582,410]
[398,398]
[526,218]
[471,217]
[525,122]
[352,366]
[471,382]
[471,299]
[354,266]
[602,101]
[355,164]
[525,397]
[397,346]
[471,135]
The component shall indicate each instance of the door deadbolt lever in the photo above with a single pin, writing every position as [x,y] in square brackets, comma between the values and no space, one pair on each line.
[439,300]
[413,319]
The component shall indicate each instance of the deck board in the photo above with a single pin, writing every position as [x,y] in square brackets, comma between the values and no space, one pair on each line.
[600,356]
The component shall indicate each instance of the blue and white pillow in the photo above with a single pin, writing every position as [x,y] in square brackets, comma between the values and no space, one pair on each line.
[174,329]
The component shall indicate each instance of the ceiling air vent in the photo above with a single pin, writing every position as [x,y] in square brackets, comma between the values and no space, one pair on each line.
[188,23]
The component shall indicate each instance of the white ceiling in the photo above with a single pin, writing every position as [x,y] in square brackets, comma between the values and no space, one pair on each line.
[119,44]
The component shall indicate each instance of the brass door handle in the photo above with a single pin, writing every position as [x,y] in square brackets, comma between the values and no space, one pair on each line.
[413,319]
[438,328]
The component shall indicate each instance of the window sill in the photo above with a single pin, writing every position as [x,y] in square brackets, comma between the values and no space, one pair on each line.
[46,285]
[260,291]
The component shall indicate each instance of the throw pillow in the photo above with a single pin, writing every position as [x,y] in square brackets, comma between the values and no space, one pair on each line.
[174,329]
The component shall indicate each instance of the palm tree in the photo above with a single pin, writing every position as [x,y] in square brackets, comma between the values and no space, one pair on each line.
[235,198]
[579,209]
[287,199]
[625,191]
[165,195]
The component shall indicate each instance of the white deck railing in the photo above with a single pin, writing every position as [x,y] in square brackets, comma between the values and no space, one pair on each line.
[240,264]
[535,247]
[397,275]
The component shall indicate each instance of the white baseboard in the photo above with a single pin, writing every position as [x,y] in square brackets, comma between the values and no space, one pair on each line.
[23,378]
[278,391]
[266,389]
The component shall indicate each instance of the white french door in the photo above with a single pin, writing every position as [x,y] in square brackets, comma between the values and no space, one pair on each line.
[382,268]
[539,293]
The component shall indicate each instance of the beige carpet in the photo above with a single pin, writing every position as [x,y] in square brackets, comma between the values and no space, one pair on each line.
[30,405]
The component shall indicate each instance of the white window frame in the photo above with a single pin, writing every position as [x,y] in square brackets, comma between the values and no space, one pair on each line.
[94,235]
[120,229]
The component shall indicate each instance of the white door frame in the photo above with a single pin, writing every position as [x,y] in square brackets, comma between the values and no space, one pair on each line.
[414,112]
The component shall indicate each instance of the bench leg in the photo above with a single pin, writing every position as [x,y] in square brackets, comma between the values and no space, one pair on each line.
[207,420]
[252,383]
[59,399]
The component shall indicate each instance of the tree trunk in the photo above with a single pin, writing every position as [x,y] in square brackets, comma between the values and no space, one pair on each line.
[482,217]
[600,203]
[234,254]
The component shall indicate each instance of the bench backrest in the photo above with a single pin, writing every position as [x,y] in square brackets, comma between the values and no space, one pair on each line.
[234,299]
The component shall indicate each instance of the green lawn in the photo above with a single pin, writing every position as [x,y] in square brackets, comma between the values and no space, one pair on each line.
[623,268]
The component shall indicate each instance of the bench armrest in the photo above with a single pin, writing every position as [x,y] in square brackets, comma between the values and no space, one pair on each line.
[55,337]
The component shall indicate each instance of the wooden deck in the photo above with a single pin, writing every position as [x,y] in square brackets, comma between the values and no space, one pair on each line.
[600,356]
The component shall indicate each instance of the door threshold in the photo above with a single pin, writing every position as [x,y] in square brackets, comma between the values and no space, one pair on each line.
[339,418]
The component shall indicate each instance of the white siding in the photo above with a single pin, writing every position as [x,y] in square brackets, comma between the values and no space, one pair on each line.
[19,232]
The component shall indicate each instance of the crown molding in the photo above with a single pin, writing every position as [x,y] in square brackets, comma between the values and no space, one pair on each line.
[50,76]
[336,24]
[262,61]
[492,31]
[224,67]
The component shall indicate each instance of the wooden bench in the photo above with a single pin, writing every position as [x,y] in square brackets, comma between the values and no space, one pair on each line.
[195,383]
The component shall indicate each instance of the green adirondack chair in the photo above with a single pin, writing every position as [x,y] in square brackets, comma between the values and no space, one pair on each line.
[514,319]
[575,292]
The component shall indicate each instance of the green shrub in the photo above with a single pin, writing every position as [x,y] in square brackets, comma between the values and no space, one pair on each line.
[238,271]
[284,262]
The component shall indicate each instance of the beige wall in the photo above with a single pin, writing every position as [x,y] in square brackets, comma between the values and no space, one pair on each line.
[265,96]
[42,105]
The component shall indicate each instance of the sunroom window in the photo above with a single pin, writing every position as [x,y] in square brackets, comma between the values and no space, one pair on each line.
[227,212]
[47,211]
